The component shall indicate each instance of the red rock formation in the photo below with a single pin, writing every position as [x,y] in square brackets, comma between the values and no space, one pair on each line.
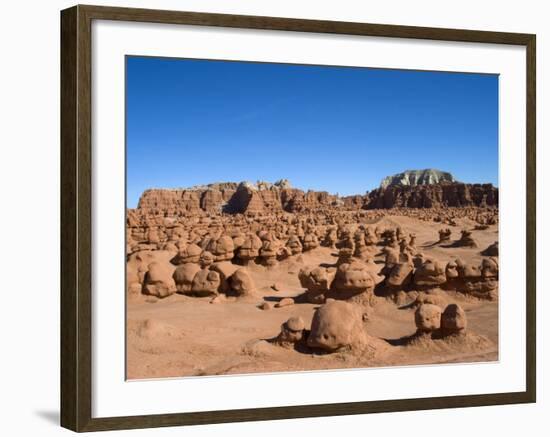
[430,196]
[245,198]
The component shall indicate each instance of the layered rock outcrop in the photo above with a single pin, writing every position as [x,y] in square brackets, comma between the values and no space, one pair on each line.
[246,198]
[428,176]
[446,194]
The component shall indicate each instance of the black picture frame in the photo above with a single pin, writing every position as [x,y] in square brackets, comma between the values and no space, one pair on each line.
[76,217]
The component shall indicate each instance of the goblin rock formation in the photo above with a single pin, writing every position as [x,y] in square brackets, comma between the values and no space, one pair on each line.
[229,242]
[292,331]
[427,317]
[382,278]
[433,322]
[337,325]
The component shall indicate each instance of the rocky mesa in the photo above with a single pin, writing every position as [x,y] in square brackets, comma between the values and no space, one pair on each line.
[410,189]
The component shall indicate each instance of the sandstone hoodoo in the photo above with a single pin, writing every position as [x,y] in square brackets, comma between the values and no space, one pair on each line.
[337,325]
[388,277]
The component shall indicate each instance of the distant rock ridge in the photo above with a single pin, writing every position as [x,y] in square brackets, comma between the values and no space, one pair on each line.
[427,176]
[446,194]
[259,185]
[261,197]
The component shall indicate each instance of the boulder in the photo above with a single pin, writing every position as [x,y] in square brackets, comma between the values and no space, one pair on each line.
[317,281]
[292,331]
[206,259]
[224,269]
[284,302]
[183,277]
[400,276]
[158,280]
[453,319]
[222,248]
[205,283]
[337,325]
[353,279]
[310,242]
[294,245]
[427,317]
[188,253]
[241,284]
[430,273]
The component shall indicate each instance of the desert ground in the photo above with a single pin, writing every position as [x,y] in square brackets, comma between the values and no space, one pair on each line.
[316,285]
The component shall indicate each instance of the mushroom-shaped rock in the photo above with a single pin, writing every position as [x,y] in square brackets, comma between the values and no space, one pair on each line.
[294,245]
[337,325]
[468,271]
[453,319]
[451,270]
[316,279]
[206,259]
[430,273]
[482,281]
[222,248]
[391,257]
[241,284]
[270,249]
[345,256]
[466,240]
[445,235]
[427,317]
[361,249]
[158,280]
[250,248]
[310,242]
[189,253]
[183,277]
[292,331]
[353,277]
[206,282]
[346,241]
[331,238]
[400,276]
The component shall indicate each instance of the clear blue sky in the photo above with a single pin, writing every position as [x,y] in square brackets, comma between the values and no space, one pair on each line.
[336,129]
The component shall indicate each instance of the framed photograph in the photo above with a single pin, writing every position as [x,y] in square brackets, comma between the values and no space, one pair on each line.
[268,218]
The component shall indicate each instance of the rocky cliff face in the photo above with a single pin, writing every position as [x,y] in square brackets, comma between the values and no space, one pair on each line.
[246,198]
[417,177]
[436,195]
[234,199]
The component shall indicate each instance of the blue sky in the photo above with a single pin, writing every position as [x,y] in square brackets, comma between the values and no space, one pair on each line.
[336,129]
